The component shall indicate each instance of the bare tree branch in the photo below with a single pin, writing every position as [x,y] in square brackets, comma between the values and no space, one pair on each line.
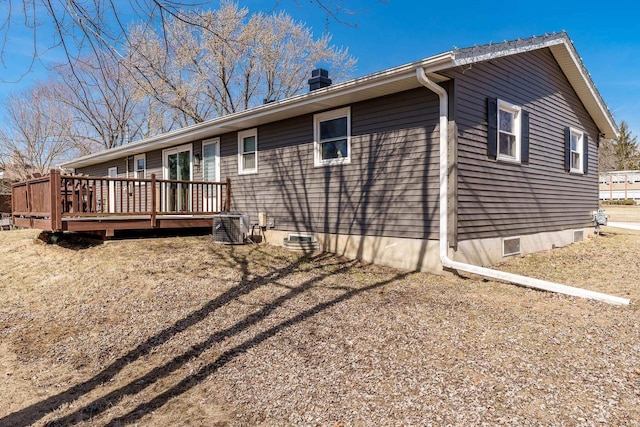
[36,135]
[231,62]
[88,27]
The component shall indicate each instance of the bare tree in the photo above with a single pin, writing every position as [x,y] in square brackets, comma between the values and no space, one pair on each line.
[287,52]
[36,135]
[231,62]
[196,65]
[86,27]
[99,93]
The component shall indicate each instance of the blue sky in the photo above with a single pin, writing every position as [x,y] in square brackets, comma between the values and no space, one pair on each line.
[387,34]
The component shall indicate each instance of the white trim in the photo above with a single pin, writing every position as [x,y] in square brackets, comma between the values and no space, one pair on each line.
[211,201]
[317,144]
[332,96]
[215,141]
[165,170]
[178,149]
[580,145]
[241,137]
[516,131]
[112,189]
[137,157]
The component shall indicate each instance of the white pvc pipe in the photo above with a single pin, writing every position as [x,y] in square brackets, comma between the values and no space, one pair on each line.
[444,208]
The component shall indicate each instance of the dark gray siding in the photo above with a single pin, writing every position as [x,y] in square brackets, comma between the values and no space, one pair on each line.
[505,199]
[102,169]
[389,189]
[153,164]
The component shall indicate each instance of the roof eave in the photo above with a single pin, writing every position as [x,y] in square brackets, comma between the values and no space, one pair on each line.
[374,85]
[576,73]
[571,64]
[370,86]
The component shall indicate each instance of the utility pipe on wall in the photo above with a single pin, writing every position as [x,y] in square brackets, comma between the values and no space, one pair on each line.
[444,208]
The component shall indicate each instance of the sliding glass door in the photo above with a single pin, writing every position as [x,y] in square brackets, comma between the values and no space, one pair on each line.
[177,166]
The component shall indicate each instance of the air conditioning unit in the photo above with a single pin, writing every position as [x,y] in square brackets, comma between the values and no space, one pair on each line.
[230,228]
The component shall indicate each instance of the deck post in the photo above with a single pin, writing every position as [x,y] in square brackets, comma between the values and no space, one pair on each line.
[29,202]
[227,201]
[153,200]
[14,202]
[56,205]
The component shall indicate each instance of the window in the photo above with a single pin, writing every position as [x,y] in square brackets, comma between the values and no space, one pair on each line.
[139,166]
[508,132]
[248,151]
[576,152]
[576,147]
[332,137]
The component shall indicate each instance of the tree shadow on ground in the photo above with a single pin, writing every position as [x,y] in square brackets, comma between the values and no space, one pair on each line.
[323,266]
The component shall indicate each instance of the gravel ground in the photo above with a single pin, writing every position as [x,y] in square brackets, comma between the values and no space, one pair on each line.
[177,331]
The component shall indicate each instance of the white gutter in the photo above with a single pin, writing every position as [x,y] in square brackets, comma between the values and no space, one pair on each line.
[444,208]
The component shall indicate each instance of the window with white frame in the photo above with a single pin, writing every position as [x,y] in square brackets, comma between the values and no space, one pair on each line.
[332,137]
[248,151]
[139,166]
[576,147]
[508,132]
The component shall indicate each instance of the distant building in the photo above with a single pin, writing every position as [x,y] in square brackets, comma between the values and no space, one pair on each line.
[619,185]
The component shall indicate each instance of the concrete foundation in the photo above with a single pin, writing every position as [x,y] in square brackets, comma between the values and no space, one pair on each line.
[423,255]
[486,252]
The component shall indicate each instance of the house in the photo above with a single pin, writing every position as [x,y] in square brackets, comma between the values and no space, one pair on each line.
[480,153]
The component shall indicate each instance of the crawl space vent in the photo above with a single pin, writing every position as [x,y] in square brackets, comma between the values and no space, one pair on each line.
[511,246]
[578,236]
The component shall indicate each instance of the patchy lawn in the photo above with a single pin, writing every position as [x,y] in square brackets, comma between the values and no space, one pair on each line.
[179,331]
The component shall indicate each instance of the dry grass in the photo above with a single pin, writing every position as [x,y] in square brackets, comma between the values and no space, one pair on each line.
[623,213]
[178,331]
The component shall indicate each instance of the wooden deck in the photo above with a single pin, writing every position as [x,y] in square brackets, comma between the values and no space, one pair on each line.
[94,204]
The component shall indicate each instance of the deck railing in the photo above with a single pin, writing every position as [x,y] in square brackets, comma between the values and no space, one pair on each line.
[55,197]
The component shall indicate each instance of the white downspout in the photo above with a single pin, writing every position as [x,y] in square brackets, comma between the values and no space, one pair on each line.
[444,208]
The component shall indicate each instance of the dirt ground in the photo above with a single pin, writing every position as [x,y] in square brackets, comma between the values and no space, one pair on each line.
[179,331]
